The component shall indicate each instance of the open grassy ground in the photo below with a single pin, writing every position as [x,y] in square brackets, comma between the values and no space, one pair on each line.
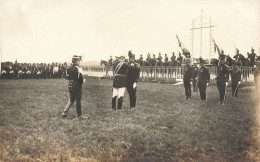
[163,127]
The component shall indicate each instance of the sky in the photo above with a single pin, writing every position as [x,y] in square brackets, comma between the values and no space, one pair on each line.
[54,30]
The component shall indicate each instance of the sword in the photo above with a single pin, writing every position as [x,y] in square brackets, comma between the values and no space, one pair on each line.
[236,90]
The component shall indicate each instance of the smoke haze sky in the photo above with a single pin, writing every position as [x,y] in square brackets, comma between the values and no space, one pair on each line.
[54,30]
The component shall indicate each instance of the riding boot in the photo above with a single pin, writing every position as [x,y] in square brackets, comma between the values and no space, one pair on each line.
[120,103]
[66,109]
[114,103]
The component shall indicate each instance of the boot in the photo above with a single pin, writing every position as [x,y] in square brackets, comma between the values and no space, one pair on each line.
[120,103]
[66,109]
[114,103]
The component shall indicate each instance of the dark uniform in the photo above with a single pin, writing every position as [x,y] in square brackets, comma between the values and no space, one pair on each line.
[194,78]
[180,58]
[173,57]
[186,80]
[222,80]
[141,60]
[203,79]
[133,74]
[75,77]
[119,83]
[235,78]
[166,60]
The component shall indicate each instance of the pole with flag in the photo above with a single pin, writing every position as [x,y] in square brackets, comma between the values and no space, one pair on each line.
[185,51]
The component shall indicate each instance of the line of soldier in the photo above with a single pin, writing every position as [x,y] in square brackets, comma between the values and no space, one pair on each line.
[33,71]
[238,59]
[200,77]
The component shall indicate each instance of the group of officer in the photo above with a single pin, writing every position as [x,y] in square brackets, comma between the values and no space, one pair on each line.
[125,77]
[200,77]
[33,71]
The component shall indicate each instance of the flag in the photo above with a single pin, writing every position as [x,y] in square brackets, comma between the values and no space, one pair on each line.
[185,51]
[216,48]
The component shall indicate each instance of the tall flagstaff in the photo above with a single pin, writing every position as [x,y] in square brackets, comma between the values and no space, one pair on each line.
[210,26]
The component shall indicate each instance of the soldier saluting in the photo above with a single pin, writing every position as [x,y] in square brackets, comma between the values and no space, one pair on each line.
[133,73]
[75,77]
[119,82]
[222,80]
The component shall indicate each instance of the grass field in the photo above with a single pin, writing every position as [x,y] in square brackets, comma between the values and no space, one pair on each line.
[163,127]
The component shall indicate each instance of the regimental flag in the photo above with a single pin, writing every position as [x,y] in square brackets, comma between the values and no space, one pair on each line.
[216,48]
[185,51]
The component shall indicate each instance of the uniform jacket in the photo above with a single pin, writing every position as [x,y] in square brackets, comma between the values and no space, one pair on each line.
[75,78]
[222,73]
[119,79]
[203,75]
[187,73]
[235,75]
[133,72]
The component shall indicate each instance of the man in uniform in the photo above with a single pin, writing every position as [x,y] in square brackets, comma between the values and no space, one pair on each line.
[173,57]
[235,80]
[119,83]
[222,56]
[187,79]
[153,60]
[222,80]
[180,58]
[195,78]
[75,77]
[110,61]
[133,73]
[159,59]
[203,80]
[252,57]
[141,60]
[166,60]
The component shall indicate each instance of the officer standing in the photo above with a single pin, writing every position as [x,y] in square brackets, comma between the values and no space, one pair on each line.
[133,74]
[222,80]
[235,80]
[119,83]
[180,58]
[195,78]
[166,63]
[75,77]
[187,79]
[203,80]
[141,60]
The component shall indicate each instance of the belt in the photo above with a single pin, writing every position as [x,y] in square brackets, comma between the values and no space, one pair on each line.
[122,75]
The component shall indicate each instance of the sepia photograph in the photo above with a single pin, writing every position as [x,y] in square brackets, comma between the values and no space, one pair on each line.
[129,80]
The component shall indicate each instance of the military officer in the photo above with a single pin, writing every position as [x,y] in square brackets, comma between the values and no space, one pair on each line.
[166,63]
[133,73]
[222,80]
[141,60]
[173,57]
[180,58]
[203,80]
[119,82]
[75,77]
[235,80]
[187,79]
[195,78]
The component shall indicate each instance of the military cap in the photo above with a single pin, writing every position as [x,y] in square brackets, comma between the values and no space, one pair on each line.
[76,58]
